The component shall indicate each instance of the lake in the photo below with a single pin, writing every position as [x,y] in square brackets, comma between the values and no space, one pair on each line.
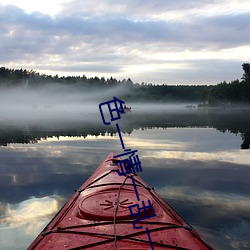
[198,160]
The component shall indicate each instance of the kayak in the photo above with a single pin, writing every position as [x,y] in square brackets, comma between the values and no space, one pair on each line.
[112,211]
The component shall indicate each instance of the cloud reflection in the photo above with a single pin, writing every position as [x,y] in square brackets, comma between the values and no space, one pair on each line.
[29,212]
[222,156]
[222,213]
[22,222]
[228,203]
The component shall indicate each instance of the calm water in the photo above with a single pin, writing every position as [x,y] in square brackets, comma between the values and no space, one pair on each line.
[193,158]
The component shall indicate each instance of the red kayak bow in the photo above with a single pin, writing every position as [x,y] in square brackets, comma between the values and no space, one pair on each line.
[103,214]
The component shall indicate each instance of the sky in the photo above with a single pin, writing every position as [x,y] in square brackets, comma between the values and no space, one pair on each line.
[152,41]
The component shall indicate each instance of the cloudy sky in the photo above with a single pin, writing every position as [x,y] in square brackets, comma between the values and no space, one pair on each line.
[157,41]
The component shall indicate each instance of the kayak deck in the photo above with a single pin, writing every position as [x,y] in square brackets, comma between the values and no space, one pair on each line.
[99,216]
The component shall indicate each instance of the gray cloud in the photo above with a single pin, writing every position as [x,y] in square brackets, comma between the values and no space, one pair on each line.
[83,68]
[227,29]
[132,8]
[106,40]
[224,31]
[198,72]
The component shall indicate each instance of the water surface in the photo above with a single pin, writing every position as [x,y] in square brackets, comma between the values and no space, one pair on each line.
[193,158]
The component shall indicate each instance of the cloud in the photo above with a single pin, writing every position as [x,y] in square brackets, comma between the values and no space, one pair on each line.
[149,9]
[116,30]
[125,40]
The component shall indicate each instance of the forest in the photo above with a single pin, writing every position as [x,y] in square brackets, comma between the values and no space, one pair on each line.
[224,93]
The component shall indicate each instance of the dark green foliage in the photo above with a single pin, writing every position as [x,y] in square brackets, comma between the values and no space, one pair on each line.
[234,92]
[246,69]
[220,94]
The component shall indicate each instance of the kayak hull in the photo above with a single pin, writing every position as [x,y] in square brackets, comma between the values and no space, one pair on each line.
[98,215]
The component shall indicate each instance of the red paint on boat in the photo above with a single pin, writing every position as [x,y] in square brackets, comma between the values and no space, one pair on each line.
[97,217]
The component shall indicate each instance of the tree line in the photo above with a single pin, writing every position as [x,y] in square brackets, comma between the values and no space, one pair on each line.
[236,91]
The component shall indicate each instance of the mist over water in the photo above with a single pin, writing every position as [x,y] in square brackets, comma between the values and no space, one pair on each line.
[55,102]
[57,109]
[61,102]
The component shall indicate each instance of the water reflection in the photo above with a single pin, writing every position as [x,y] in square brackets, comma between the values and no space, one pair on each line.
[195,167]
[29,210]
[234,121]
[20,222]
